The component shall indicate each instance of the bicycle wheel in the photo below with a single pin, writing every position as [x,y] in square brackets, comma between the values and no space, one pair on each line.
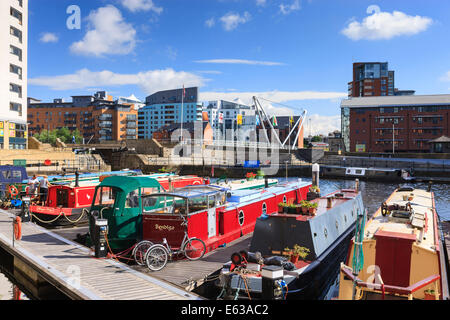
[194,249]
[156,257]
[140,250]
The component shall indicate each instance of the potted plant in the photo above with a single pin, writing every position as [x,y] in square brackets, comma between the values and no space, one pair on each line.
[250,176]
[430,294]
[292,208]
[260,174]
[314,189]
[405,197]
[281,206]
[299,253]
[411,196]
[287,252]
[313,208]
[304,204]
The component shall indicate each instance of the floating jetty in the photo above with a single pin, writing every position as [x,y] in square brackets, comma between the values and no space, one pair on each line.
[42,258]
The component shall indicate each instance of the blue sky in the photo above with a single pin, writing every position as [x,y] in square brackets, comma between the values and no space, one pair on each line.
[296,52]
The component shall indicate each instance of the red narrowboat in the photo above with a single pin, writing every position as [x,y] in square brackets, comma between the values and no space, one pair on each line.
[215,215]
[69,204]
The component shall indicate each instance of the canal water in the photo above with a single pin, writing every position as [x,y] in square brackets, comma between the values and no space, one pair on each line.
[374,193]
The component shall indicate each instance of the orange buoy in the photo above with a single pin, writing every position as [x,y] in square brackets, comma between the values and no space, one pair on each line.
[18,228]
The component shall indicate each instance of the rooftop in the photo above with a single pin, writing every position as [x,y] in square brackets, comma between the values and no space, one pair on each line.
[419,100]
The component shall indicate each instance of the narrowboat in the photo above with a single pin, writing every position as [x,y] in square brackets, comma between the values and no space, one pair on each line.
[294,255]
[399,254]
[68,204]
[369,173]
[215,215]
[244,184]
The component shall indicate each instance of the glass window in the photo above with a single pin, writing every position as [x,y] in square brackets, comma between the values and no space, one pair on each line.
[106,196]
[132,200]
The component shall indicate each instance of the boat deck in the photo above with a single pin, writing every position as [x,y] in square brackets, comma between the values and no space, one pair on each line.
[183,273]
[422,204]
[74,271]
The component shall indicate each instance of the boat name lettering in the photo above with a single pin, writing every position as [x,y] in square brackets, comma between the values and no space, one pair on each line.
[164,227]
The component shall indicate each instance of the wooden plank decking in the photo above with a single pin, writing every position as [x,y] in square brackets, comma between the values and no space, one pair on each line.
[73,269]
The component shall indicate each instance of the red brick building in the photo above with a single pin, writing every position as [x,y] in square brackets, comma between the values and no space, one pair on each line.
[399,123]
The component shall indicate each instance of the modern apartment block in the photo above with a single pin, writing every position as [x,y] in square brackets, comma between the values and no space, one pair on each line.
[394,123]
[373,79]
[13,73]
[98,118]
[168,107]
[231,115]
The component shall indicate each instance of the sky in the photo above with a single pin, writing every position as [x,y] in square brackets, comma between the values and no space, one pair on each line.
[293,55]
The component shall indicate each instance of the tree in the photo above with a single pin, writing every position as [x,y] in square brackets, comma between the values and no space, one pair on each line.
[64,134]
[316,139]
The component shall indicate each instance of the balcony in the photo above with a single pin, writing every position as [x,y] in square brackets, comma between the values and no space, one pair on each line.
[105,118]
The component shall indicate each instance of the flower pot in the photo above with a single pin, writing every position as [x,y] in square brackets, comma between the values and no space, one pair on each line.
[298,209]
[280,209]
[294,259]
[429,296]
[405,197]
[312,211]
[286,210]
[304,210]
[292,210]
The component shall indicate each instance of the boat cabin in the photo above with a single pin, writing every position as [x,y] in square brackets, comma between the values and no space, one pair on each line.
[119,200]
[163,214]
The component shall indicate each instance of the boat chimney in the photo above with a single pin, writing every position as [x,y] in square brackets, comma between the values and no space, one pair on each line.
[329,202]
[315,175]
[356,185]
[77,178]
[170,185]
[429,186]
[266,182]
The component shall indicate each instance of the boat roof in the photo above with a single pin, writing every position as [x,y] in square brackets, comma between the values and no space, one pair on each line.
[128,184]
[421,225]
[191,192]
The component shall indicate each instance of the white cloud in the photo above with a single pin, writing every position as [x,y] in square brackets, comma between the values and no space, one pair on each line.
[231,20]
[316,124]
[149,81]
[210,23]
[141,5]
[261,3]
[49,37]
[446,77]
[278,96]
[241,61]
[289,8]
[385,25]
[108,34]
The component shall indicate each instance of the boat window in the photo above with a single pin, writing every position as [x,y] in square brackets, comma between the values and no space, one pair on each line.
[264,208]
[220,199]
[198,204]
[211,201]
[132,199]
[164,205]
[106,196]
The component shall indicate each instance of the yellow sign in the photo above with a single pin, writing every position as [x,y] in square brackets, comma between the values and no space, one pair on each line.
[1,133]
[1,124]
[12,133]
[360,148]
[239,119]
[12,126]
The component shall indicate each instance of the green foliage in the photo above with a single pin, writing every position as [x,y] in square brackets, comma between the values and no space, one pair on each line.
[64,134]
[316,139]
[301,252]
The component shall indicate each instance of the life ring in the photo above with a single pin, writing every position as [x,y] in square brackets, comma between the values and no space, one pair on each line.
[18,228]
[196,182]
[13,191]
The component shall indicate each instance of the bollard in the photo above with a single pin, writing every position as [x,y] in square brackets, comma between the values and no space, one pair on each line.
[356,185]
[315,174]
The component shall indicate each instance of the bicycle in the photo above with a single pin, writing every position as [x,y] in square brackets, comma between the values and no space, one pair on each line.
[158,255]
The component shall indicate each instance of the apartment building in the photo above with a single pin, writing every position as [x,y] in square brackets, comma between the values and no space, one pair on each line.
[394,124]
[98,118]
[13,74]
[168,107]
